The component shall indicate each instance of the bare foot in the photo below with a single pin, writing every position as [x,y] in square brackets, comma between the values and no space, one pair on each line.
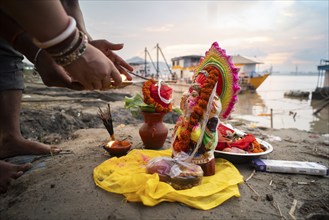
[13,146]
[9,171]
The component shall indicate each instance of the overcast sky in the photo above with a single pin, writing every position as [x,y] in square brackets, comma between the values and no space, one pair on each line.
[284,34]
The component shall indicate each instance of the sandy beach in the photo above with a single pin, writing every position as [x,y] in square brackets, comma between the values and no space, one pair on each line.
[62,186]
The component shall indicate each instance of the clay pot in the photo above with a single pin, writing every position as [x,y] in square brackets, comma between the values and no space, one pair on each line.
[208,168]
[153,132]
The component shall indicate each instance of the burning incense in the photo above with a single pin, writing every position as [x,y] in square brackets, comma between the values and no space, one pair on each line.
[106,117]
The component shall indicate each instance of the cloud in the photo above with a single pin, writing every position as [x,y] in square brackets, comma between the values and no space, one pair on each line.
[278,58]
[186,49]
[163,28]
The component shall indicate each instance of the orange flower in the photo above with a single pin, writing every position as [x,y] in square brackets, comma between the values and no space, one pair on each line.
[183,142]
[150,101]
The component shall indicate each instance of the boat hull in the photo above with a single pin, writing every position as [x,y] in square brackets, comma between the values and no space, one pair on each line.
[252,83]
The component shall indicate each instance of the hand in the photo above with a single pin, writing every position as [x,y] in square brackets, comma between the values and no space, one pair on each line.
[94,70]
[53,74]
[107,47]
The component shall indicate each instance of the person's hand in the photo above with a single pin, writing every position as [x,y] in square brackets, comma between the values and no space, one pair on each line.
[106,47]
[53,74]
[94,70]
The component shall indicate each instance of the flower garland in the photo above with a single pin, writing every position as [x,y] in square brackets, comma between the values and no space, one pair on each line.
[150,101]
[182,143]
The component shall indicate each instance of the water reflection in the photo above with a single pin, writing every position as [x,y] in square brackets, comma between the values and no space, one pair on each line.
[287,112]
[321,119]
[250,104]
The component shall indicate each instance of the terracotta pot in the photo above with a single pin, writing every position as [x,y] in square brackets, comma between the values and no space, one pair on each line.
[153,132]
[208,168]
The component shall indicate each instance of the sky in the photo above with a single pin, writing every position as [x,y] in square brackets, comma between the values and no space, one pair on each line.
[288,35]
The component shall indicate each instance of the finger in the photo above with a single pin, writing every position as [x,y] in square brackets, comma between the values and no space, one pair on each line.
[106,83]
[113,46]
[76,86]
[97,85]
[123,72]
[18,174]
[116,76]
[121,62]
[88,86]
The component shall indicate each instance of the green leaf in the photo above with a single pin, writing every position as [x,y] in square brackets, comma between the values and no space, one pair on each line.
[136,104]
[177,110]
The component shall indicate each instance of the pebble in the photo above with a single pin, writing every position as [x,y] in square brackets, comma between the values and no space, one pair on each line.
[269,197]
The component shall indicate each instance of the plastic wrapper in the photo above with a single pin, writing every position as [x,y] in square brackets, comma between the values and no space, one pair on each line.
[180,175]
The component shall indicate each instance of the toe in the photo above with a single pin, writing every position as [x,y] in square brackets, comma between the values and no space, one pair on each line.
[55,150]
[17,174]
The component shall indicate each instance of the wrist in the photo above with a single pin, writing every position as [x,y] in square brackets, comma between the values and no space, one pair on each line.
[69,56]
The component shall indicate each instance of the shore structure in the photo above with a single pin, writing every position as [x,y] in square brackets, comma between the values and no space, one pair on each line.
[321,91]
[249,78]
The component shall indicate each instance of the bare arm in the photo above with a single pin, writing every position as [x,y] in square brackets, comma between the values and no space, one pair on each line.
[42,19]
[45,20]
[51,73]
[72,8]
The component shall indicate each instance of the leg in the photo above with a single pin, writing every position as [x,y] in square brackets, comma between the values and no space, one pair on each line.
[11,141]
[9,172]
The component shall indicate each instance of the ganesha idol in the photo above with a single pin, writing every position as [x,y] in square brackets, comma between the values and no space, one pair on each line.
[210,98]
[196,130]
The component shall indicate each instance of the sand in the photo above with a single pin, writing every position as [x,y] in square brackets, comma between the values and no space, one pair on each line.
[62,187]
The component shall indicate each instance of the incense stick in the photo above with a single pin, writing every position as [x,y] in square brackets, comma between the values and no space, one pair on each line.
[106,117]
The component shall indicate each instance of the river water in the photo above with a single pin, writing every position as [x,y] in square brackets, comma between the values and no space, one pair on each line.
[287,112]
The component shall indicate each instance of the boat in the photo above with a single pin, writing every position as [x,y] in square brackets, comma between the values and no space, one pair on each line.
[321,91]
[183,69]
[297,94]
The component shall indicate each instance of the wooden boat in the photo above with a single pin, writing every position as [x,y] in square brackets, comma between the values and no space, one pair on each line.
[251,83]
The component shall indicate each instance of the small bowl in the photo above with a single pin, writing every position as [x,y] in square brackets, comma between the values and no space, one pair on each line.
[117,148]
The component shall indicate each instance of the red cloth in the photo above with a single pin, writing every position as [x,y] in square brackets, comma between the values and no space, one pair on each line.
[222,129]
[243,143]
[165,93]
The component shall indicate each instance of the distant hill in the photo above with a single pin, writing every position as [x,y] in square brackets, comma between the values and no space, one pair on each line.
[136,61]
[295,74]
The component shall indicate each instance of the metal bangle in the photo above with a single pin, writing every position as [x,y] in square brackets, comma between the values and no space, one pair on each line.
[58,39]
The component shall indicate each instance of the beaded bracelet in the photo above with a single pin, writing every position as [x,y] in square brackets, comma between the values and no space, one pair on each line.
[58,39]
[73,44]
[69,58]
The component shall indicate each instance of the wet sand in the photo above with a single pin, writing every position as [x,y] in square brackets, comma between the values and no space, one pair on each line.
[62,187]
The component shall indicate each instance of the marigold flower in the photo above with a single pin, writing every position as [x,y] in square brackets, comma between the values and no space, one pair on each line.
[183,143]
[150,101]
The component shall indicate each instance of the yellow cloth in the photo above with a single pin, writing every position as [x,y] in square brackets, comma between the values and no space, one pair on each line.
[127,175]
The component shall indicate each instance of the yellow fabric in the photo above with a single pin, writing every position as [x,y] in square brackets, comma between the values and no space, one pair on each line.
[127,175]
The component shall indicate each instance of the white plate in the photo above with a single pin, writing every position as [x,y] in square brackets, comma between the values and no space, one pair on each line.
[244,157]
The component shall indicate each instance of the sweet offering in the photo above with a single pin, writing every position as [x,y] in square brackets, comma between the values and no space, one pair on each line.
[210,99]
[235,141]
[180,175]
